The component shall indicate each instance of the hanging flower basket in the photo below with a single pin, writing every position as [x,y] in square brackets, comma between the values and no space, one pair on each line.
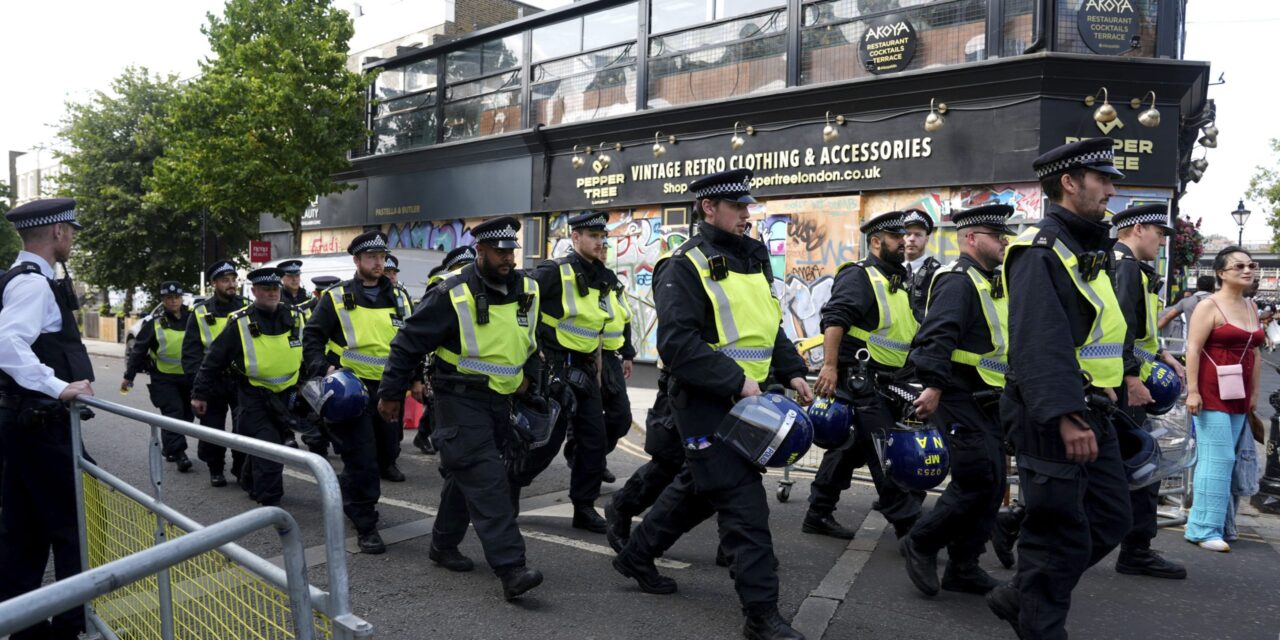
[1188,244]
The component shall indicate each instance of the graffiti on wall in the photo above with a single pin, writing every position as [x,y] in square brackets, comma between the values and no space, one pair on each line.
[436,235]
[821,234]
[321,241]
[1026,198]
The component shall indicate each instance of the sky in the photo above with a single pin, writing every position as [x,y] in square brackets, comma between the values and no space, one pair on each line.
[59,50]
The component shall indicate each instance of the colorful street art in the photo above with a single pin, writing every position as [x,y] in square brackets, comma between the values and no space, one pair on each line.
[438,235]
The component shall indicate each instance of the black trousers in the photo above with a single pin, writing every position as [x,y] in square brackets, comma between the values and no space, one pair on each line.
[962,518]
[171,394]
[662,443]
[356,441]
[263,415]
[584,425]
[388,435]
[1142,502]
[215,417]
[617,405]
[835,472]
[467,433]
[1075,515]
[715,481]
[39,515]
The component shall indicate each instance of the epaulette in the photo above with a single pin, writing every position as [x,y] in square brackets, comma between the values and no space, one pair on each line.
[238,313]
[691,243]
[846,265]
[1046,238]
[1120,255]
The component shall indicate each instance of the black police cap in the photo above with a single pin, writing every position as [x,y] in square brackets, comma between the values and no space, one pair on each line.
[368,241]
[324,282]
[992,216]
[39,213]
[459,257]
[219,269]
[171,288]
[1096,154]
[890,222]
[589,220]
[265,277]
[290,267]
[913,216]
[734,186]
[1153,214]
[502,233]
[392,264]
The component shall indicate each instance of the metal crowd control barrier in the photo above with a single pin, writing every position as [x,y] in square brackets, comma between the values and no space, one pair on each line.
[230,593]
[32,607]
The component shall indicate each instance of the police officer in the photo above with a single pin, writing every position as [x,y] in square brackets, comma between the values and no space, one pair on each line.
[319,285]
[453,262]
[207,321]
[1141,231]
[617,362]
[43,364]
[920,264]
[158,351]
[960,356]
[1066,332]
[291,291]
[480,324]
[869,309]
[360,317]
[578,301]
[262,349]
[392,271]
[721,336]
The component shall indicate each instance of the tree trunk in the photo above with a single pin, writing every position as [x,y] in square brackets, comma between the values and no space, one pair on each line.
[296,225]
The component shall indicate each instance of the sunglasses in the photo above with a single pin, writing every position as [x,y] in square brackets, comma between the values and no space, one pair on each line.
[1242,266]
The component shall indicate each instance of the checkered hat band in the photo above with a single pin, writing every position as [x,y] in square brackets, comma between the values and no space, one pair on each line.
[1083,160]
[505,233]
[724,188]
[892,224]
[466,256]
[1148,218]
[597,221]
[65,216]
[993,220]
[368,245]
[221,270]
[267,279]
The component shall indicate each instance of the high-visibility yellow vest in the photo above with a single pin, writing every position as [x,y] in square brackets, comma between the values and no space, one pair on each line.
[211,326]
[368,332]
[1101,354]
[496,349]
[615,336]
[746,314]
[167,354]
[993,365]
[270,362]
[896,325]
[1146,343]
[584,314]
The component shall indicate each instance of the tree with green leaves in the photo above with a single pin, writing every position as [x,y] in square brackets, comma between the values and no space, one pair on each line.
[10,243]
[1264,186]
[113,140]
[270,119]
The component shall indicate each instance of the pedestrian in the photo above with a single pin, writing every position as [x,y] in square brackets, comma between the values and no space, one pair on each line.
[207,321]
[1184,307]
[1141,232]
[869,311]
[360,317]
[578,304]
[158,351]
[262,350]
[920,264]
[1222,389]
[721,338]
[43,365]
[960,355]
[1066,331]
[291,291]
[453,262]
[480,324]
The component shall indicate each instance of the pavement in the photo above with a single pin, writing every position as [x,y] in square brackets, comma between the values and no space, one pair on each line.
[833,589]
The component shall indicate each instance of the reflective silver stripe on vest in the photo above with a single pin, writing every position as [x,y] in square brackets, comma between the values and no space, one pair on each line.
[476,364]
[568,326]
[348,328]
[722,299]
[352,354]
[466,321]
[989,312]
[250,352]
[206,334]
[746,353]
[994,365]
[162,344]
[1143,354]
[1101,351]
[1095,332]
[881,341]
[614,334]
[570,294]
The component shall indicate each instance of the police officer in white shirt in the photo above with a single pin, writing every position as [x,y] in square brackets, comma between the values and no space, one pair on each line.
[43,364]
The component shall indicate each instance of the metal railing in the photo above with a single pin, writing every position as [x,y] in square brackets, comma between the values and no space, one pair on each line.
[34,606]
[333,604]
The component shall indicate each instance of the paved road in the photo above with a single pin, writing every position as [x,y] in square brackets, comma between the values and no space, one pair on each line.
[841,591]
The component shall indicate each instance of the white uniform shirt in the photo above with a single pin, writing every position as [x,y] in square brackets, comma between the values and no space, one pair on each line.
[914,266]
[30,309]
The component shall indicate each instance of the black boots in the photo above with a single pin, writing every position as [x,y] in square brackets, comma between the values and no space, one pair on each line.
[922,567]
[1005,534]
[1003,601]
[586,518]
[391,473]
[967,577]
[451,559]
[183,462]
[515,582]
[619,527]
[216,479]
[1145,562]
[768,625]
[371,543]
[645,574]
[825,524]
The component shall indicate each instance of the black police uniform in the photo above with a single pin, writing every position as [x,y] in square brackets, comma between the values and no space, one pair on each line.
[263,414]
[453,262]
[918,279]
[222,396]
[170,393]
[666,457]
[613,387]
[295,298]
[962,518]
[853,303]
[704,383]
[1063,533]
[39,511]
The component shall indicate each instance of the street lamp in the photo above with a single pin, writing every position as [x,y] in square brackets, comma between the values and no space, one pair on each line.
[1241,215]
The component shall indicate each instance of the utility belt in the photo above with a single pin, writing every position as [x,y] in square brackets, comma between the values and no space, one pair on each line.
[578,369]
[463,384]
[39,411]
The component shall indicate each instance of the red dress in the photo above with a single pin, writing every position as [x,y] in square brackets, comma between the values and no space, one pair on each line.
[1228,344]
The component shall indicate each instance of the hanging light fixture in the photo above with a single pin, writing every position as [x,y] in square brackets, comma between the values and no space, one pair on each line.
[1151,117]
[737,141]
[830,132]
[1200,165]
[602,160]
[934,120]
[1210,138]
[577,160]
[658,149]
[1104,113]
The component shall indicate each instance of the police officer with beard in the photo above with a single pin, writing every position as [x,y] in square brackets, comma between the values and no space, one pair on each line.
[481,327]
[1066,333]
[158,351]
[920,265]
[869,309]
[721,338]
[208,320]
[960,355]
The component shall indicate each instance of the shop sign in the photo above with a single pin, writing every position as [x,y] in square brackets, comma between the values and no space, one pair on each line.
[888,45]
[1109,27]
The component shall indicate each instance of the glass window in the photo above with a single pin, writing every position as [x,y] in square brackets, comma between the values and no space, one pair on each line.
[1070,40]
[405,123]
[484,58]
[559,39]
[420,76]
[584,87]
[730,8]
[673,14]
[610,26]
[503,53]
[485,115]
[734,58]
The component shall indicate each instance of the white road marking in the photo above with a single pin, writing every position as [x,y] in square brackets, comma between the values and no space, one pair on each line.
[596,548]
